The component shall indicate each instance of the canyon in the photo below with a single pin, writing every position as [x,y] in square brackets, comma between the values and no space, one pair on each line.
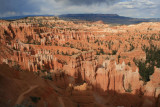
[50,62]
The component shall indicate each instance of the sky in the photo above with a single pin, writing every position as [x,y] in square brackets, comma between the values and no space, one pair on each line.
[129,8]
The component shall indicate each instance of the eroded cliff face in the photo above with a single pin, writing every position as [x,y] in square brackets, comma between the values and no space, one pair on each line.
[96,53]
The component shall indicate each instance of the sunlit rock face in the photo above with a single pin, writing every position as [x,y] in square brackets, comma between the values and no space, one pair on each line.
[98,54]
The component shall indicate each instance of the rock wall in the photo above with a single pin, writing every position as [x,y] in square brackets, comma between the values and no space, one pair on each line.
[98,54]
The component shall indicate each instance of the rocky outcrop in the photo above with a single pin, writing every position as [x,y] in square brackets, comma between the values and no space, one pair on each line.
[96,53]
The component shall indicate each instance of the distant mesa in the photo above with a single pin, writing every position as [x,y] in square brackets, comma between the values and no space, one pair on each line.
[106,18]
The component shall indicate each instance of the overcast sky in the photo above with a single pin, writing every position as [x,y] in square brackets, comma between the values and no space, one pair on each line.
[131,8]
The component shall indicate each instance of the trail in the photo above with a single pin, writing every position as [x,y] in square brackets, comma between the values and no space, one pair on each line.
[61,102]
[58,90]
[21,96]
[99,99]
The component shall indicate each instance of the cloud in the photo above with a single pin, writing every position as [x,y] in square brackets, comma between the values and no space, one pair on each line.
[132,8]
[18,6]
[137,8]
[87,2]
[137,4]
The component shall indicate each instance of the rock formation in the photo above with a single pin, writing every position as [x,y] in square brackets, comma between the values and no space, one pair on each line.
[98,54]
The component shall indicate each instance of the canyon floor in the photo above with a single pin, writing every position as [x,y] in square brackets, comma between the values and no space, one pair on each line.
[50,62]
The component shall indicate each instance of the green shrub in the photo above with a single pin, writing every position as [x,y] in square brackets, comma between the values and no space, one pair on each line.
[97,53]
[129,88]
[114,52]
[146,68]
[35,99]
[101,51]
[119,58]
[48,76]
[71,45]
[131,48]
[17,67]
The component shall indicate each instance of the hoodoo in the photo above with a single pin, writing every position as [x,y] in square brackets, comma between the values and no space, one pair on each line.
[50,62]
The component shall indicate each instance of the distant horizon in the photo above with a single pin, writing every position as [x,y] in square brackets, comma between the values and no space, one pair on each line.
[75,14]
